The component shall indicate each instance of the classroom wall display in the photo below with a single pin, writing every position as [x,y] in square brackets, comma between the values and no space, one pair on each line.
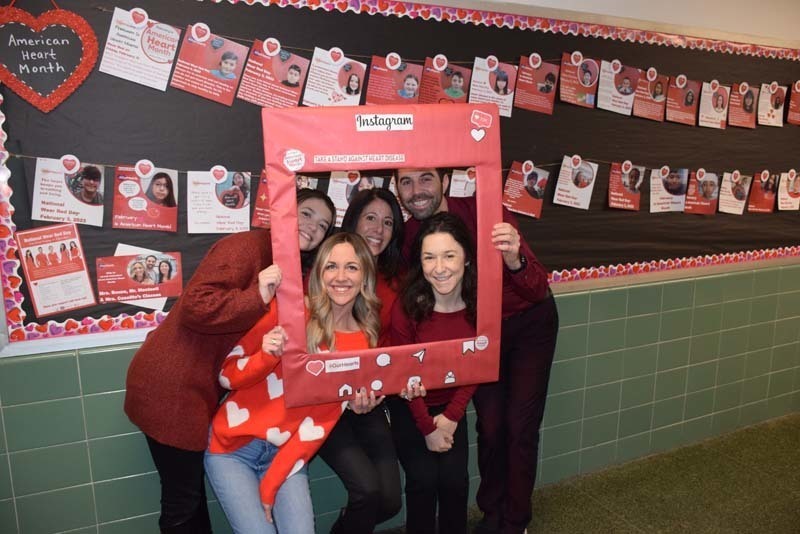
[178,130]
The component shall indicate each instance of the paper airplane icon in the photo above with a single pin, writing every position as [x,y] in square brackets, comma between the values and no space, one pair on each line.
[419,355]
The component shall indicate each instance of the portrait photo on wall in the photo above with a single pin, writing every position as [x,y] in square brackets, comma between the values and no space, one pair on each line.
[537,82]
[145,200]
[273,77]
[67,191]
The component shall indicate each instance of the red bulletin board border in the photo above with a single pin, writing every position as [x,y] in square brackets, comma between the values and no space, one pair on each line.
[523,22]
[381,137]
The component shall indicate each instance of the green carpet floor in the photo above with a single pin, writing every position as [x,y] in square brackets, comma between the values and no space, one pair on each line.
[744,482]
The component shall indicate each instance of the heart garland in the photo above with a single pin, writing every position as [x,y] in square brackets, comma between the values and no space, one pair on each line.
[55,17]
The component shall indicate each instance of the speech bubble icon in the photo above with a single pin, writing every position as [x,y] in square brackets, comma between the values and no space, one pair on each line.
[481,119]
[129,188]
[137,204]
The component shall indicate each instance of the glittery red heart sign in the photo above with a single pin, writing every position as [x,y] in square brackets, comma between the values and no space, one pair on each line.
[38,43]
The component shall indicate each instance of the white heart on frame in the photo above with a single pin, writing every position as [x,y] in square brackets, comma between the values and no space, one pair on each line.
[477,134]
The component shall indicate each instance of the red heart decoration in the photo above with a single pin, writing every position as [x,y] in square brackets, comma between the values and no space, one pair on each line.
[440,62]
[71,324]
[14,281]
[315,367]
[218,174]
[492,62]
[145,168]
[106,324]
[41,327]
[200,32]
[336,55]
[137,16]
[272,46]
[127,322]
[69,163]
[14,315]
[17,335]
[55,17]
[471,173]
[576,160]
[392,60]
[352,176]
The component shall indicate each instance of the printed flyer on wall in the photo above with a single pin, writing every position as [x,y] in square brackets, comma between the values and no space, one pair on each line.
[525,188]
[219,201]
[578,79]
[742,107]
[145,198]
[702,193]
[334,79]
[393,81]
[625,185]
[536,84]
[733,192]
[273,77]
[575,183]
[139,276]
[668,189]
[443,83]
[66,191]
[617,86]
[650,100]
[493,82]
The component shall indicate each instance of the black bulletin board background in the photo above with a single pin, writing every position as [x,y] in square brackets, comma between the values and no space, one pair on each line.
[112,121]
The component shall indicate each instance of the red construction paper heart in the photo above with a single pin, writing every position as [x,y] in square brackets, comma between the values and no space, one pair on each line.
[55,17]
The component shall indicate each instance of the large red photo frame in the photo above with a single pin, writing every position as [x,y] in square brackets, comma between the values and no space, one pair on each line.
[381,137]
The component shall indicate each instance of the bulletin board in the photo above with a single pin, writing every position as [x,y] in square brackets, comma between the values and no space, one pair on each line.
[112,121]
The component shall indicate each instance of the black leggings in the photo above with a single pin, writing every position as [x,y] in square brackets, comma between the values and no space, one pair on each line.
[360,451]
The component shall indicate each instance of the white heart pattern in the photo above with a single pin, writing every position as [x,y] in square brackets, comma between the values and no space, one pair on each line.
[238,350]
[274,386]
[276,437]
[309,431]
[242,363]
[477,134]
[298,465]
[224,382]
[236,415]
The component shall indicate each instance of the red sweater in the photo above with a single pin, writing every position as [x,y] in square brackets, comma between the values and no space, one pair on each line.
[440,326]
[387,293]
[172,387]
[255,408]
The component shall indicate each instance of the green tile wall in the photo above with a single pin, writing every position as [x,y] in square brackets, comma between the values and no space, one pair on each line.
[638,370]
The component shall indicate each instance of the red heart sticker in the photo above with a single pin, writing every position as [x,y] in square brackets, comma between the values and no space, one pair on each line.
[315,367]
[200,32]
[144,167]
[576,161]
[491,62]
[664,171]
[773,88]
[764,175]
[535,60]
[393,60]
[743,88]
[336,54]
[38,25]
[576,57]
[797,86]
[680,81]
[471,174]
[138,16]
[714,85]
[627,166]
[701,173]
[616,66]
[219,172]
[735,176]
[353,176]
[652,74]
[527,167]
[440,62]
[271,46]
[792,174]
[70,162]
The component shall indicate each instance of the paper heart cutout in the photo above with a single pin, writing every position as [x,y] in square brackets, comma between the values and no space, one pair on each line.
[315,367]
[393,60]
[276,437]
[138,15]
[200,32]
[336,54]
[440,62]
[106,324]
[219,174]
[308,431]
[527,167]
[353,176]
[71,324]
[274,386]
[477,134]
[144,167]
[272,46]
[236,415]
[127,323]
[53,18]
[14,315]
[70,162]
[764,176]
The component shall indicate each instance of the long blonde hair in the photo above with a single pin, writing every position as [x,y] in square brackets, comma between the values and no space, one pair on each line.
[320,327]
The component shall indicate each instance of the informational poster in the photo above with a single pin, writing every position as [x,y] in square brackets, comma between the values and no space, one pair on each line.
[617,86]
[139,49]
[733,192]
[443,83]
[54,268]
[575,183]
[650,100]
[273,77]
[209,65]
[125,278]
[524,189]
[625,185]
[771,103]
[668,189]
[462,183]
[536,84]
[261,216]
[145,198]
[714,105]
[763,193]
[64,190]
[333,79]
[789,191]
[345,185]
[702,194]
[794,104]
[579,79]
[493,82]
[218,201]
[742,108]
[683,96]
[393,81]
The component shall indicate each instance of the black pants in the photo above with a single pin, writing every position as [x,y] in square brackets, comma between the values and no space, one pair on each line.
[183,493]
[510,413]
[432,477]
[360,451]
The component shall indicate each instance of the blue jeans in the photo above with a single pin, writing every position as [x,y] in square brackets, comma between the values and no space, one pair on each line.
[235,477]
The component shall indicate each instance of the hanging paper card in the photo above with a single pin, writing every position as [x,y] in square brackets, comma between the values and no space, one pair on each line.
[536,84]
[763,193]
[345,185]
[145,198]
[54,269]
[125,278]
[66,191]
[714,105]
[771,103]
[209,65]
[794,104]
[742,108]
[219,201]
[702,193]
[443,83]
[45,59]
[462,183]
[683,96]
[625,186]
[139,49]
[273,77]
[493,82]
[789,191]
[578,79]
[393,81]
[334,80]
[525,188]
[575,183]
[617,86]
[650,101]
[733,192]
[668,189]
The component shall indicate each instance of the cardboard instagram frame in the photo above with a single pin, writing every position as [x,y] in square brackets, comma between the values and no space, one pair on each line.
[380,137]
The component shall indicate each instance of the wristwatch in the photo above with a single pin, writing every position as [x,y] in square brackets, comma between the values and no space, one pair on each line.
[523,262]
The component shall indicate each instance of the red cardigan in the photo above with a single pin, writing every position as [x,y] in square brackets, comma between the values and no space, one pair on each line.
[172,388]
